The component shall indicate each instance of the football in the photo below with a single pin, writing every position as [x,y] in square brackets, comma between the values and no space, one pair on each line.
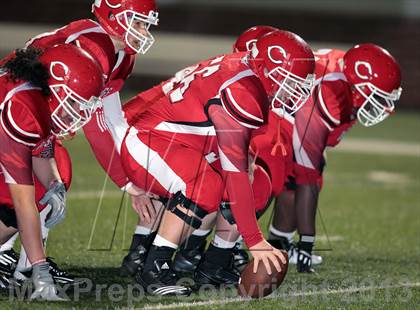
[261,284]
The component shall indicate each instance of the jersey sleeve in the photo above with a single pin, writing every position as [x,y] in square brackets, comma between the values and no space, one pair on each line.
[20,125]
[310,134]
[15,160]
[246,102]
[233,140]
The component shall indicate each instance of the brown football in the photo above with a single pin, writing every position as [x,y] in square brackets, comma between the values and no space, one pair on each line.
[260,284]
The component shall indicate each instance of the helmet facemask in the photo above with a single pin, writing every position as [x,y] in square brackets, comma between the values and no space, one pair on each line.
[131,22]
[72,111]
[290,91]
[378,104]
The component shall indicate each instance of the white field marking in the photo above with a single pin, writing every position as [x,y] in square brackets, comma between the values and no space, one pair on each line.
[380,147]
[387,177]
[93,194]
[323,238]
[225,301]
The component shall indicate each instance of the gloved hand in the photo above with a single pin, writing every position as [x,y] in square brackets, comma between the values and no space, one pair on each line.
[43,282]
[56,198]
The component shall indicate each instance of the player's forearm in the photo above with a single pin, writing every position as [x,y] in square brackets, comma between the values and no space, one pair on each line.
[243,208]
[28,220]
[45,169]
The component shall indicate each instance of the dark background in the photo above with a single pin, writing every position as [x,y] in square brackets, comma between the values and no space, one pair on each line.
[393,24]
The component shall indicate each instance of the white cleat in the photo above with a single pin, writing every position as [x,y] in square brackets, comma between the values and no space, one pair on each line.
[316,259]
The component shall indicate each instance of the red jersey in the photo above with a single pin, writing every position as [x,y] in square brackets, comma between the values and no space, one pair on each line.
[324,119]
[107,128]
[25,126]
[213,107]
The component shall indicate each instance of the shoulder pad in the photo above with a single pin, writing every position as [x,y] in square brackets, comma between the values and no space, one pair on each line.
[246,101]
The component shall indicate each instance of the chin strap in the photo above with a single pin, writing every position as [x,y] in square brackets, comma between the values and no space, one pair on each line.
[278,142]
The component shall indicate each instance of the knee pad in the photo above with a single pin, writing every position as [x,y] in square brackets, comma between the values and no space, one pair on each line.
[193,220]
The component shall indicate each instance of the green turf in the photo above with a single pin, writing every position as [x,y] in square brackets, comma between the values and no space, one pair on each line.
[373,224]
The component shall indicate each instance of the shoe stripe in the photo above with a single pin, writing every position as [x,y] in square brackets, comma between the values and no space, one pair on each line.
[169,289]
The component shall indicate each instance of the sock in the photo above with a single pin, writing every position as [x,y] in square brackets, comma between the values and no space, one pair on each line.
[196,240]
[306,243]
[8,245]
[144,239]
[219,256]
[223,244]
[274,233]
[162,242]
[44,230]
[23,264]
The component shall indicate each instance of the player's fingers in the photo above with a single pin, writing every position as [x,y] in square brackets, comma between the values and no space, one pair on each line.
[275,262]
[256,261]
[280,255]
[151,208]
[266,264]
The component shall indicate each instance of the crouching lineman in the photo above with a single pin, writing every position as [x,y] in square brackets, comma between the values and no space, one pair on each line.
[43,94]
[212,111]
[362,84]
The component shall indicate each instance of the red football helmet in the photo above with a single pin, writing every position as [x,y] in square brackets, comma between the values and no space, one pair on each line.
[249,37]
[285,64]
[376,79]
[128,20]
[76,81]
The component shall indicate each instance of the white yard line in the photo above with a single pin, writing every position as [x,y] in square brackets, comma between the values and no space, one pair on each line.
[299,294]
[379,147]
[93,194]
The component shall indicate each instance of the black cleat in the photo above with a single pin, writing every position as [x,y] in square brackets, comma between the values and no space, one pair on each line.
[186,261]
[134,261]
[304,262]
[59,276]
[162,280]
[214,274]
[8,262]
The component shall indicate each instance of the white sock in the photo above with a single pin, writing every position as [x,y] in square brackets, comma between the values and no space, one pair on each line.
[223,244]
[23,264]
[201,232]
[8,245]
[141,230]
[44,230]
[160,241]
[277,233]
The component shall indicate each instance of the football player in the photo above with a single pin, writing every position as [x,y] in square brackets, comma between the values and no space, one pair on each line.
[43,94]
[362,84]
[120,32]
[211,113]
[190,252]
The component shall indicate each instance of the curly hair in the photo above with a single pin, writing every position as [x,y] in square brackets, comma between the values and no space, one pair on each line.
[25,66]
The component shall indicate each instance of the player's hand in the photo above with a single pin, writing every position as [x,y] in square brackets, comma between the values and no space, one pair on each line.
[56,198]
[143,205]
[264,252]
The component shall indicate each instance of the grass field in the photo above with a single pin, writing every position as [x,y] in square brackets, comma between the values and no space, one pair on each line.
[370,206]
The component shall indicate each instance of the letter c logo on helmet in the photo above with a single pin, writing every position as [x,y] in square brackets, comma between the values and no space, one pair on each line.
[367,71]
[272,54]
[58,70]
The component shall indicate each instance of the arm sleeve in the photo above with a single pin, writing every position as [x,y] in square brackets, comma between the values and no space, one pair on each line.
[233,140]
[104,148]
[310,135]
